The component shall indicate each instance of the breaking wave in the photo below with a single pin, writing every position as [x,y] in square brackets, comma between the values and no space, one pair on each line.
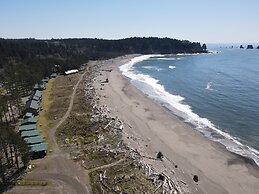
[152,68]
[171,67]
[176,105]
[209,85]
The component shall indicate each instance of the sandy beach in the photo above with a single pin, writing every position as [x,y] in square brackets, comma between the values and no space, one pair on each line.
[149,129]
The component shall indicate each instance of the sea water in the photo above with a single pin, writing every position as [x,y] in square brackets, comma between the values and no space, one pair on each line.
[217,93]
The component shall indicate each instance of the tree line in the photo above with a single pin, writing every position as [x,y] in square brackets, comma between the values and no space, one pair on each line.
[25,62]
[31,60]
[14,152]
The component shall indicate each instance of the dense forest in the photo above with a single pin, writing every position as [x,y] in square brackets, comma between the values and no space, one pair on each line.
[29,60]
[24,62]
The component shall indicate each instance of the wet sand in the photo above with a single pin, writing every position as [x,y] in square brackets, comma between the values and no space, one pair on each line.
[150,129]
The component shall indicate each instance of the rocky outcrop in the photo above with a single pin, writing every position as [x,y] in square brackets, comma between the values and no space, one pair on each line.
[241,46]
[258,47]
[249,46]
[204,47]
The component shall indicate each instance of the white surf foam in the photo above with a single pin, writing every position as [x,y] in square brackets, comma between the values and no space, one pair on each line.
[128,66]
[171,67]
[187,54]
[175,103]
[213,52]
[152,68]
[209,85]
[168,58]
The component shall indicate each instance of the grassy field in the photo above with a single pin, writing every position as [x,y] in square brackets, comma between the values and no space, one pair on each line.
[55,101]
[96,148]
[43,120]
[100,149]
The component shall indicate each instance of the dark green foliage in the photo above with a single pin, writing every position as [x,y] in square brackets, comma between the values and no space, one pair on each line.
[31,60]
[14,153]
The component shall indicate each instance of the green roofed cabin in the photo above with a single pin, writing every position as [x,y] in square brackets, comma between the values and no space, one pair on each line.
[29,121]
[34,140]
[39,150]
[32,106]
[31,133]
[39,147]
[27,127]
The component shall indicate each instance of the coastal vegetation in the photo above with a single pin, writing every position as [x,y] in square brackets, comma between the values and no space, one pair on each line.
[24,62]
[97,145]
[30,60]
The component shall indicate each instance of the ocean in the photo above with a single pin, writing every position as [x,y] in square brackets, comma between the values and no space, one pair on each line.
[216,93]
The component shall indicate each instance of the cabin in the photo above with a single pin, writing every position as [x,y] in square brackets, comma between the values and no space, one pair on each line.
[29,121]
[27,115]
[37,94]
[27,127]
[34,140]
[39,150]
[40,87]
[30,133]
[35,98]
[45,80]
[53,75]
[32,106]
[72,71]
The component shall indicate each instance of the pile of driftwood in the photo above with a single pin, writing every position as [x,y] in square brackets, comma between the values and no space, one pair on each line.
[101,113]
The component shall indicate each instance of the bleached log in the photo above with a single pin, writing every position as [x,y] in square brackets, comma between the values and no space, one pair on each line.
[158,187]
[108,124]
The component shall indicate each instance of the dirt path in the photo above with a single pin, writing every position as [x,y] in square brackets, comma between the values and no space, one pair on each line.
[52,132]
[106,166]
[64,175]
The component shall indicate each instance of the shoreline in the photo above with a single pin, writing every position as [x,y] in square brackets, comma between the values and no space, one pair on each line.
[183,111]
[149,128]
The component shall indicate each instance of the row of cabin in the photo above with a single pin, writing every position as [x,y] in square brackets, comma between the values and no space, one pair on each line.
[33,103]
[32,137]
[28,129]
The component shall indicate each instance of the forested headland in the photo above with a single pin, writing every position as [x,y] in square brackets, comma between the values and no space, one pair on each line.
[29,60]
[24,62]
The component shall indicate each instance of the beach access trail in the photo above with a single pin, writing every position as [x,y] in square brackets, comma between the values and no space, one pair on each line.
[64,175]
[149,128]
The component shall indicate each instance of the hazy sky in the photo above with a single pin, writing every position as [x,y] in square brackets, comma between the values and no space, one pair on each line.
[209,21]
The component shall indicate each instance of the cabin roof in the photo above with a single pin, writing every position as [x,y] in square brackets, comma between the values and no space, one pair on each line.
[28,114]
[34,140]
[39,147]
[37,93]
[33,104]
[29,120]
[27,127]
[71,71]
[31,133]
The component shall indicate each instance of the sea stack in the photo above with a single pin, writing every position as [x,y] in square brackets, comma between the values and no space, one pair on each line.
[241,46]
[249,46]
[204,47]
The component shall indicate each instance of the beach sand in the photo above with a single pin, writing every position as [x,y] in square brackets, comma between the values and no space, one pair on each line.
[149,129]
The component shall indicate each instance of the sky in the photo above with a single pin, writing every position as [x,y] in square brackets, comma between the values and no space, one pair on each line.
[205,21]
